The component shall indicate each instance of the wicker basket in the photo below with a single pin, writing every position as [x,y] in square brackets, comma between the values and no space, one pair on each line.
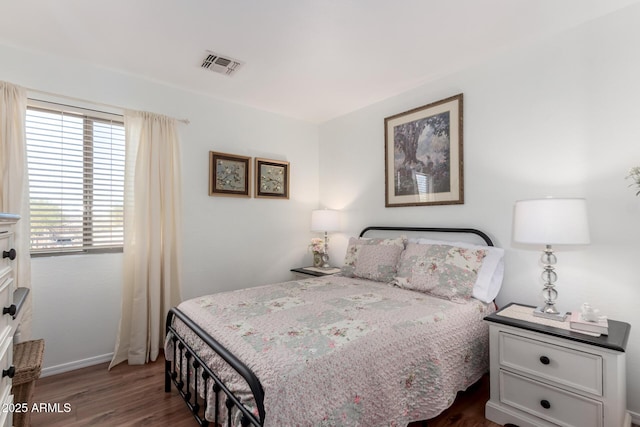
[27,359]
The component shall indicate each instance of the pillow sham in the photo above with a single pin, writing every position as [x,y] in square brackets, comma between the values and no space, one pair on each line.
[491,273]
[373,258]
[443,271]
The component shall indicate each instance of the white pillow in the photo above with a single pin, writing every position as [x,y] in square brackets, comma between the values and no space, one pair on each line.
[491,273]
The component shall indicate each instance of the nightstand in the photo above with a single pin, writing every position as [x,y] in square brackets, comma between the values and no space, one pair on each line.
[306,272]
[544,374]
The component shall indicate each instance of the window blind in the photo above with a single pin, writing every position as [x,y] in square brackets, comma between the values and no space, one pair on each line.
[76,179]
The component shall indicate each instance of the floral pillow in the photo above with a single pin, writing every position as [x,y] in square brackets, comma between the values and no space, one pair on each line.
[373,259]
[491,274]
[443,271]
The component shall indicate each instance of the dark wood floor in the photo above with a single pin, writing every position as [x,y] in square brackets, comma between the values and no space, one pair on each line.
[134,396]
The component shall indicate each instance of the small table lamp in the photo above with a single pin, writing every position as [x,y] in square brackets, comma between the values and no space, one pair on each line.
[550,222]
[325,220]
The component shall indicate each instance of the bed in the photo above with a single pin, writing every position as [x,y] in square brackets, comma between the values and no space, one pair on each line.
[388,341]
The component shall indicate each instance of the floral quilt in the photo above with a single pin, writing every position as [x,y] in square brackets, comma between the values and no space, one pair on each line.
[339,351]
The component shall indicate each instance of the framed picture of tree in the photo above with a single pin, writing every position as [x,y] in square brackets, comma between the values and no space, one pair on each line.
[423,155]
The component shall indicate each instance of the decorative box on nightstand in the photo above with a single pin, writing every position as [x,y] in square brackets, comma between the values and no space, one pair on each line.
[306,272]
[544,374]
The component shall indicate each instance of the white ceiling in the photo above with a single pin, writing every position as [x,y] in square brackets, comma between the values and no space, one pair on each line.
[308,59]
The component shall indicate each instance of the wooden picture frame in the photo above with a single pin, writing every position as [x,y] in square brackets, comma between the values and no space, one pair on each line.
[423,155]
[229,175]
[272,179]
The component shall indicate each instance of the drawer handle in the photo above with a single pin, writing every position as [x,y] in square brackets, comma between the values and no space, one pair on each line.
[545,404]
[11,254]
[544,360]
[9,372]
[12,309]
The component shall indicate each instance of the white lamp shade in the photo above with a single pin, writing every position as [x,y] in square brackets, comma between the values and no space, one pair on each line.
[325,220]
[551,222]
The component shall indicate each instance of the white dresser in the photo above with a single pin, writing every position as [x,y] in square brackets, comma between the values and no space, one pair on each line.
[9,310]
[543,375]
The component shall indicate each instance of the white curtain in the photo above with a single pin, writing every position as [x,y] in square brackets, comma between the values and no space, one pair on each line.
[14,185]
[152,249]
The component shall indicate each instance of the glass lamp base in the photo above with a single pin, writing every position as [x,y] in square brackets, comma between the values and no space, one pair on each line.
[559,316]
[325,261]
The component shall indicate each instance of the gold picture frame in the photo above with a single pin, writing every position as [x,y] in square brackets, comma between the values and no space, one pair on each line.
[229,175]
[424,155]
[272,179]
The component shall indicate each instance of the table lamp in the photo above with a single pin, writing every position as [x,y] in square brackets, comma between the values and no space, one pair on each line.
[325,220]
[548,222]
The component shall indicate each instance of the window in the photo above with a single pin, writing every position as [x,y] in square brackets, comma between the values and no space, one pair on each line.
[76,179]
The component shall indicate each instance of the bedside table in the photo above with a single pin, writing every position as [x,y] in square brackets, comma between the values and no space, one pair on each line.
[544,374]
[305,272]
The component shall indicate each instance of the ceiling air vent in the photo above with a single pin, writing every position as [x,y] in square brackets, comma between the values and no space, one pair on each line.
[220,64]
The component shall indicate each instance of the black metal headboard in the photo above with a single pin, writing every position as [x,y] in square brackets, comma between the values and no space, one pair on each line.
[482,235]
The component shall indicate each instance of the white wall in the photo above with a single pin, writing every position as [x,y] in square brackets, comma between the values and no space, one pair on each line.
[560,118]
[557,118]
[228,242]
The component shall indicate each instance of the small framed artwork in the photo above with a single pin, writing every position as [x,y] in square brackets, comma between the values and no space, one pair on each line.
[272,179]
[229,175]
[423,155]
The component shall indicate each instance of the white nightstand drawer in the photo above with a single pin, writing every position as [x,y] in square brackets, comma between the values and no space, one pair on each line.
[549,403]
[576,369]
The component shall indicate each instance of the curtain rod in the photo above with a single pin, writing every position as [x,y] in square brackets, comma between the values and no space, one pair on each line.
[185,121]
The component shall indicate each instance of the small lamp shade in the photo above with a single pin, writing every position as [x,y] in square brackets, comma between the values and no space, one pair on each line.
[325,220]
[551,222]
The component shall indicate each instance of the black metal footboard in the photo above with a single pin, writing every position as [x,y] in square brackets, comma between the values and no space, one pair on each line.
[204,380]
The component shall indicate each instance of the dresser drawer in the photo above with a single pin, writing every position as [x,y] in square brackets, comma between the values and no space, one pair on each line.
[6,245]
[6,359]
[578,370]
[6,417]
[6,398]
[549,403]
[6,298]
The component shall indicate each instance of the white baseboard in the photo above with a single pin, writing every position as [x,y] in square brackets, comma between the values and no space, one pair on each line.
[635,418]
[72,366]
